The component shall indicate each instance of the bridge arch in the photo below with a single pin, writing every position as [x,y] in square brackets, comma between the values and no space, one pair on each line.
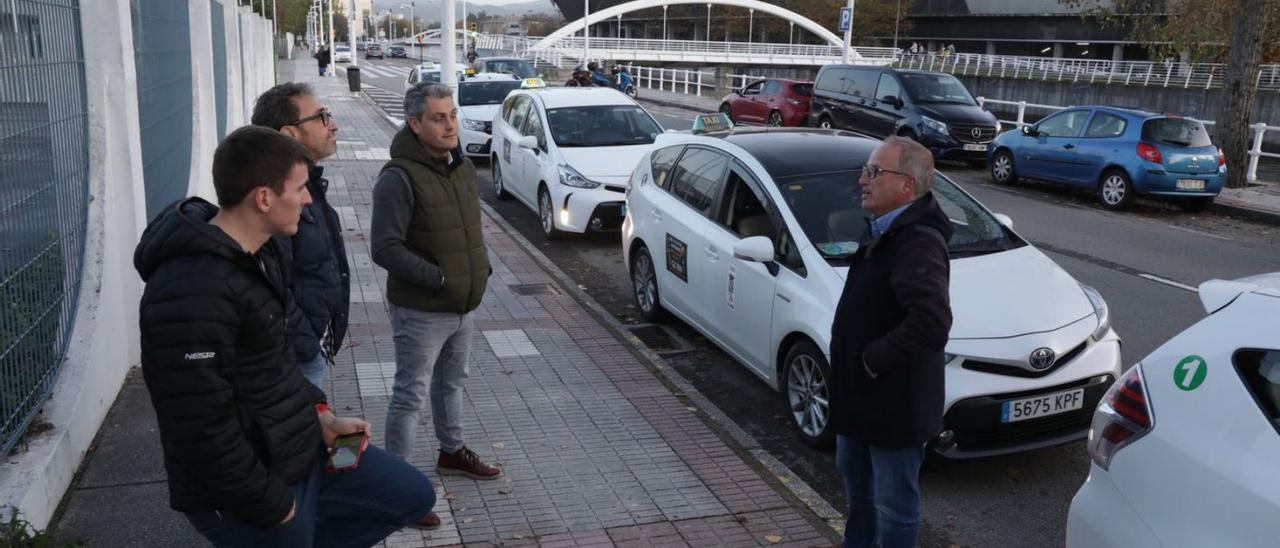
[636,5]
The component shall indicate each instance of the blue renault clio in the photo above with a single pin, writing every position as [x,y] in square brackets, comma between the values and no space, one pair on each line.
[1119,153]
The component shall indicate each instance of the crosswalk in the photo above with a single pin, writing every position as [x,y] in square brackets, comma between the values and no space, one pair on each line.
[390,103]
[380,71]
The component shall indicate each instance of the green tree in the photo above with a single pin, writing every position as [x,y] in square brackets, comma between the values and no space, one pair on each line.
[1172,28]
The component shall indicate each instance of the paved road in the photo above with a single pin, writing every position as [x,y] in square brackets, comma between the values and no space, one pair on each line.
[1139,260]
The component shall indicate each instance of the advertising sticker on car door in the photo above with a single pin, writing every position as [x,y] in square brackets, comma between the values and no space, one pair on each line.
[678,258]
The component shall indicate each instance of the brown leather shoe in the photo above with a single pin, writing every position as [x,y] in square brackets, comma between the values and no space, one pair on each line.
[465,462]
[429,522]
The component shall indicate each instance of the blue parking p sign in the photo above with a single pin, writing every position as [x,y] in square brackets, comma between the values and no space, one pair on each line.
[846,19]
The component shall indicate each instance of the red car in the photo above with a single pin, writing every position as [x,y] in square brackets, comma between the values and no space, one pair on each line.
[770,102]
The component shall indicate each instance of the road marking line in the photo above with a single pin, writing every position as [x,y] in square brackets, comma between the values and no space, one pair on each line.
[1168,282]
[1202,233]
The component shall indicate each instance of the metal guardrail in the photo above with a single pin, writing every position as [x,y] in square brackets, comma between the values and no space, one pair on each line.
[1140,73]
[672,79]
[44,197]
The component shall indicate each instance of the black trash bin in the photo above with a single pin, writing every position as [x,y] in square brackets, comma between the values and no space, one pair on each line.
[353,78]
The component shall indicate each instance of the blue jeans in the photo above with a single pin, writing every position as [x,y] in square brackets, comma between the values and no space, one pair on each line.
[883,486]
[314,370]
[435,345]
[356,508]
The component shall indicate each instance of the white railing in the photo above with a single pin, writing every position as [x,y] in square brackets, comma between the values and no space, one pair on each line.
[1141,73]
[672,79]
[1255,151]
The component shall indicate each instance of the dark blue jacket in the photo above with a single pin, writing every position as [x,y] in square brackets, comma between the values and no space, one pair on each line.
[321,276]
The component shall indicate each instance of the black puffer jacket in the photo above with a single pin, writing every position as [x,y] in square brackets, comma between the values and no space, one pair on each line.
[237,419]
[321,277]
[894,318]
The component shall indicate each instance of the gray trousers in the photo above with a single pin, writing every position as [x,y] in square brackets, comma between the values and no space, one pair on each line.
[428,343]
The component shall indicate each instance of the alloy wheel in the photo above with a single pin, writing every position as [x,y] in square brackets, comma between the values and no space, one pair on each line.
[1113,190]
[807,393]
[644,283]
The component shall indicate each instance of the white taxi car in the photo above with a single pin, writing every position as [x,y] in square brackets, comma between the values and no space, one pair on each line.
[567,152]
[430,72]
[1185,447]
[479,99]
[745,235]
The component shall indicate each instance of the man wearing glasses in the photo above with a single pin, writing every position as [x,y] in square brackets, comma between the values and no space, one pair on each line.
[321,285]
[887,342]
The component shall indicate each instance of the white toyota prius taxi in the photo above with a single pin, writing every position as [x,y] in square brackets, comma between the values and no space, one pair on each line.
[744,235]
[1186,447]
[479,99]
[567,152]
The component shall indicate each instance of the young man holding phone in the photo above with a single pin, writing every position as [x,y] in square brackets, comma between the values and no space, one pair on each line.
[247,440]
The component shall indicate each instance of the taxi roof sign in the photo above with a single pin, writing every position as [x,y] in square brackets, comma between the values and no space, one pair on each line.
[712,123]
[529,83]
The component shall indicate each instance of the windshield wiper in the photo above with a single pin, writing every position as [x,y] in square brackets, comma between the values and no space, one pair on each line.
[981,248]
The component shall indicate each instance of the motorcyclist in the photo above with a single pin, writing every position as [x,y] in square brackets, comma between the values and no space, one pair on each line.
[597,75]
[622,77]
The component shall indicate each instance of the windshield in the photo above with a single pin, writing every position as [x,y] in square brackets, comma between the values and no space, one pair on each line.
[936,88]
[828,207]
[484,93]
[518,67]
[1176,131]
[602,126]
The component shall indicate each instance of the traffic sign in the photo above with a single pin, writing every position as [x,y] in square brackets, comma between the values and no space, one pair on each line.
[846,19]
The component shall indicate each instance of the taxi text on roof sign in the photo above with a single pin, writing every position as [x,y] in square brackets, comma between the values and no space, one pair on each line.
[533,83]
[712,123]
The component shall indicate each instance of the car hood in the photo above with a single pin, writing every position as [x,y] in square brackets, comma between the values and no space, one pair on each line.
[1009,294]
[957,114]
[604,162]
[483,113]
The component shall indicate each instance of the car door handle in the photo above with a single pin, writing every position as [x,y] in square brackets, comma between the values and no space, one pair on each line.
[657,216]
[784,298]
[1068,146]
[712,253]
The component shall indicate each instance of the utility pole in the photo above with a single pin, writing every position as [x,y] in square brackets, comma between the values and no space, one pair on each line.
[586,32]
[351,33]
[333,59]
[848,35]
[896,20]
[449,45]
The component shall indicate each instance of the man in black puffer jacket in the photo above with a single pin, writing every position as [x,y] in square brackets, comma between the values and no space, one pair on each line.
[321,278]
[243,433]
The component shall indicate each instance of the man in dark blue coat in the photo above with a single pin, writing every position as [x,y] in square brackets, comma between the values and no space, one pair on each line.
[321,277]
[887,342]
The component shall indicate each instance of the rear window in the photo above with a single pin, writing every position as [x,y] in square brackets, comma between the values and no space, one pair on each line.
[847,81]
[1260,370]
[1176,131]
[802,89]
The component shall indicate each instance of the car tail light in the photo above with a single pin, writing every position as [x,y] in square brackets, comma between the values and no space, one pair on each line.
[1222,158]
[1123,416]
[1150,153]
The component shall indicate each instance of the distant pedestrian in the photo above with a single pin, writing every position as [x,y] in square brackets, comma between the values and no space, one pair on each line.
[951,49]
[321,286]
[427,234]
[887,339]
[244,435]
[323,57]
[915,48]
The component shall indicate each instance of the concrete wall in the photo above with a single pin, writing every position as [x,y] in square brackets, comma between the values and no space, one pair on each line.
[104,340]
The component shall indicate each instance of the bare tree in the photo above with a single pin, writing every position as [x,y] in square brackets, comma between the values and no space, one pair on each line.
[1241,86]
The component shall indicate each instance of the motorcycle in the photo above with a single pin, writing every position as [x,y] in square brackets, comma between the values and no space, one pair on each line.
[622,81]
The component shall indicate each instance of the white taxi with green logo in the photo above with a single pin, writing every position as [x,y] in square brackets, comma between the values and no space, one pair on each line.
[1186,446]
[479,99]
[567,153]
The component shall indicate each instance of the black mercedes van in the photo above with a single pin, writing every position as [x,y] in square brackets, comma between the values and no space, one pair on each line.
[933,108]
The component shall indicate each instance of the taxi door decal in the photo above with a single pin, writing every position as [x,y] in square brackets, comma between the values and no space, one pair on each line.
[678,258]
[733,274]
[506,150]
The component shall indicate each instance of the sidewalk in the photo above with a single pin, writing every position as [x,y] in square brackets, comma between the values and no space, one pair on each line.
[597,450]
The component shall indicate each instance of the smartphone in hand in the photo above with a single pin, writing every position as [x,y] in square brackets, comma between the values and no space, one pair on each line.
[345,454]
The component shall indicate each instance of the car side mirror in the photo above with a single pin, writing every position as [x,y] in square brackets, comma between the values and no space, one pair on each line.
[757,249]
[894,100]
[1004,220]
[1030,131]
[529,141]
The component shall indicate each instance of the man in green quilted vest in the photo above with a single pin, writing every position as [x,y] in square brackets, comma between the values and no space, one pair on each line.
[426,233]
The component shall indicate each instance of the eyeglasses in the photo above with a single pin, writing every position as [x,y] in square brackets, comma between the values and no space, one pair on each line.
[872,172]
[324,115]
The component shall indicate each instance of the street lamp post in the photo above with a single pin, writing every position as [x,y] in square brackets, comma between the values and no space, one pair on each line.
[708,22]
[586,32]
[351,33]
[332,59]
[751,25]
[792,39]
[664,23]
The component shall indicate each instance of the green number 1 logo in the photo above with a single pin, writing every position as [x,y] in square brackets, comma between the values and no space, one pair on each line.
[1190,373]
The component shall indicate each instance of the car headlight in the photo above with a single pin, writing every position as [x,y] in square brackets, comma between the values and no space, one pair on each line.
[999,127]
[571,177]
[1100,309]
[935,125]
[473,125]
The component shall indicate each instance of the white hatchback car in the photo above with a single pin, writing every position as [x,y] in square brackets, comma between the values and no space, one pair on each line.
[430,72]
[1186,446]
[567,152]
[479,99]
[745,236]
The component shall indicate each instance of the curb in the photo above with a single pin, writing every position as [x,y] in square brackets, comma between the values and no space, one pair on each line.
[1256,215]
[672,104]
[793,483]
